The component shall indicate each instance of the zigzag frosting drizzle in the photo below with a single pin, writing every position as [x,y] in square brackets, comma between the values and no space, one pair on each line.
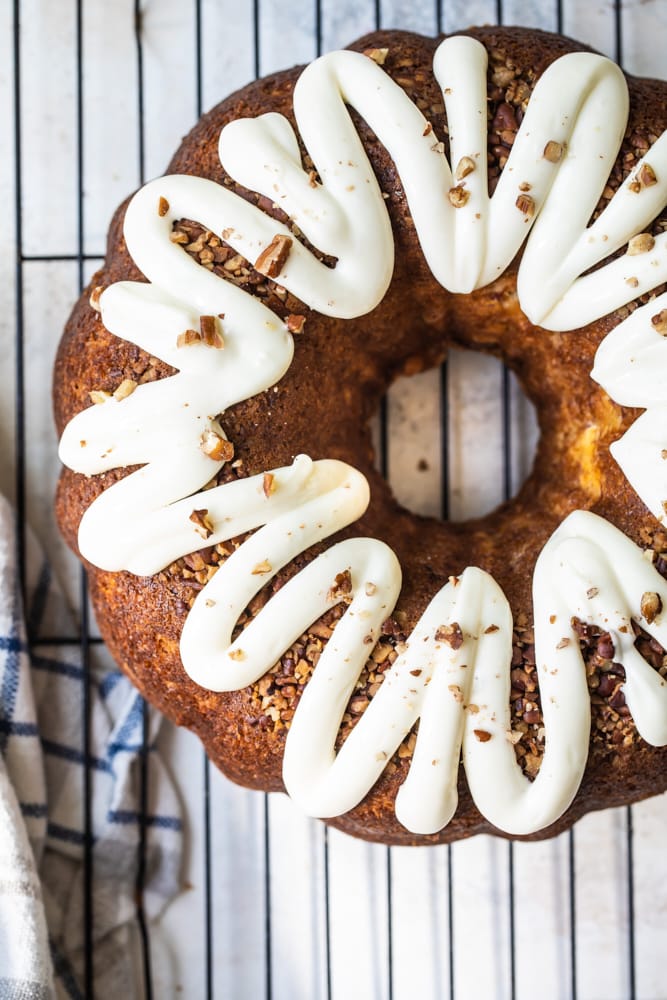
[588,569]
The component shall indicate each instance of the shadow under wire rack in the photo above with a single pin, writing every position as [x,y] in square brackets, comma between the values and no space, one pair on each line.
[277,906]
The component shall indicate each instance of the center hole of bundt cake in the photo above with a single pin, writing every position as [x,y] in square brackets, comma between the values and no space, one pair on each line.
[455,442]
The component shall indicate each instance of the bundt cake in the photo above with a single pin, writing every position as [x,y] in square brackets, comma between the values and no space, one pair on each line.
[317,234]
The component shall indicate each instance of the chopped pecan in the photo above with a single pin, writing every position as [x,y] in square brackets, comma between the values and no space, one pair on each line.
[377,55]
[651,606]
[465,166]
[646,176]
[553,151]
[295,323]
[641,243]
[188,337]
[95,298]
[210,332]
[503,76]
[216,447]
[202,522]
[272,258]
[359,704]
[451,634]
[261,568]
[526,204]
[458,196]
[342,586]
[268,484]
[482,735]
[125,389]
[99,396]
[659,322]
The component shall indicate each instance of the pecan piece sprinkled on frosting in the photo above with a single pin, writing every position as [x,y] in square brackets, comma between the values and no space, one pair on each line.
[466,165]
[125,389]
[451,634]
[457,692]
[202,522]
[272,258]
[482,735]
[268,484]
[659,322]
[553,151]
[216,447]
[188,337]
[210,332]
[342,586]
[641,243]
[647,176]
[458,196]
[261,568]
[526,204]
[651,606]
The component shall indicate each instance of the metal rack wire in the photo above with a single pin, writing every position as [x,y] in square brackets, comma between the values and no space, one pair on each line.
[82,259]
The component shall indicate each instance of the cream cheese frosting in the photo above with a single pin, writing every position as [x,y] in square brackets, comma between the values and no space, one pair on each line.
[547,192]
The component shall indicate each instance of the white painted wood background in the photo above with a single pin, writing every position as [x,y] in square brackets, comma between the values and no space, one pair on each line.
[371,956]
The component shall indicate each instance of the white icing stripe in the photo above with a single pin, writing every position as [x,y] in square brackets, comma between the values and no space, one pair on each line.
[460,696]
[631,362]
[631,365]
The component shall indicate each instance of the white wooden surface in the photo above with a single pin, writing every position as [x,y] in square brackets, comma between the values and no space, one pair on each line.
[380,903]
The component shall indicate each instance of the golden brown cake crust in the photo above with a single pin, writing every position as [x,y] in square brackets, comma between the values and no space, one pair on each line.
[340,372]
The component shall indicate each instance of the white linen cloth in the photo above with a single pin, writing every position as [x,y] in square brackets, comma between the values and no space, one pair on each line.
[43,950]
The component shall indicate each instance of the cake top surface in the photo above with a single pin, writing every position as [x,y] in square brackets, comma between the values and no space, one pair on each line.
[227,346]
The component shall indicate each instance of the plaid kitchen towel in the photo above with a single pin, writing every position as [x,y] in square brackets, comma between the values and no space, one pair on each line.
[42,801]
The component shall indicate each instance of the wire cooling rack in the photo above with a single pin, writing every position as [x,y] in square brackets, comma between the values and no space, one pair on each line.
[94,96]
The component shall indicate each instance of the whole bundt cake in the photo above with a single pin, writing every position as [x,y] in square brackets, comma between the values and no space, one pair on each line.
[317,234]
